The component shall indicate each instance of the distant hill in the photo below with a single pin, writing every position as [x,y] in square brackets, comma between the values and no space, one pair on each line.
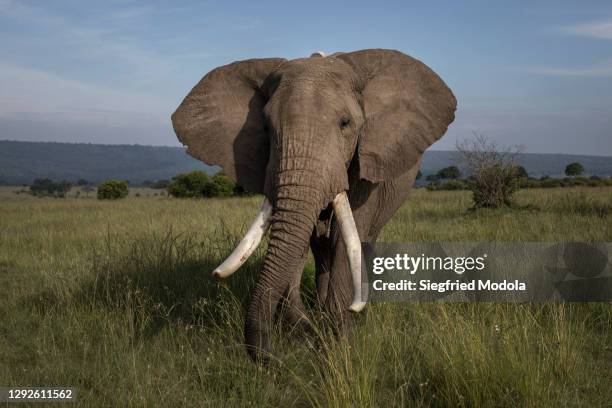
[22,162]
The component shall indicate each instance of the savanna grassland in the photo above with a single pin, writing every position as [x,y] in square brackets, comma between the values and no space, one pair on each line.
[115,298]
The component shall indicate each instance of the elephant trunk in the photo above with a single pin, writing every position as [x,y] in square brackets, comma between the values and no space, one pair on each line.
[298,201]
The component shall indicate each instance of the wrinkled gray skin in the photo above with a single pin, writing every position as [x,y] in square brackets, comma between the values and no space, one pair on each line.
[302,131]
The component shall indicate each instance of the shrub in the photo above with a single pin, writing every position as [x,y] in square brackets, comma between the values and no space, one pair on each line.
[528,183]
[595,183]
[494,185]
[189,185]
[451,172]
[199,184]
[494,176]
[579,181]
[548,182]
[112,190]
[448,185]
[521,172]
[433,186]
[48,187]
[574,169]
[220,186]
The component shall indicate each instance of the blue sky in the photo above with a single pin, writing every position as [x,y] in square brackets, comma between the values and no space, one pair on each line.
[533,74]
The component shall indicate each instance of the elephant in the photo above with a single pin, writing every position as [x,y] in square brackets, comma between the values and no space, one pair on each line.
[334,143]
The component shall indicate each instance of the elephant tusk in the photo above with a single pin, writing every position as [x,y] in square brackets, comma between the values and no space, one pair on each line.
[348,229]
[248,244]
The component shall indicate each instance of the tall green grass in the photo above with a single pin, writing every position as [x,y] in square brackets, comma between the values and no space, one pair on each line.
[116,299]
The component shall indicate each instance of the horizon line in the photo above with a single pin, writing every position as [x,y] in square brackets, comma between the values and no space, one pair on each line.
[184,147]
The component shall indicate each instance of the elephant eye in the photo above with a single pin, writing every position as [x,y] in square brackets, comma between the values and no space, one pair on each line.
[345,121]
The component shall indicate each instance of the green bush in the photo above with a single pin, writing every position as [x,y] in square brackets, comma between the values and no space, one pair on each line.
[494,176]
[48,187]
[199,184]
[528,183]
[455,185]
[113,190]
[574,169]
[521,172]
[451,172]
[493,185]
[189,185]
[433,186]
[449,185]
[579,181]
[548,182]
[220,185]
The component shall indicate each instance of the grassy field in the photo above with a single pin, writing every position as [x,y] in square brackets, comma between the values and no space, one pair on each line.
[116,299]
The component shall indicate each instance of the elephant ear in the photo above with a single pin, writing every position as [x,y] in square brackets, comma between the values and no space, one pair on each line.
[221,120]
[407,108]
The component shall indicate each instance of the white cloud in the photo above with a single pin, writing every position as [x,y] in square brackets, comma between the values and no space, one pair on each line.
[595,29]
[103,42]
[26,92]
[81,75]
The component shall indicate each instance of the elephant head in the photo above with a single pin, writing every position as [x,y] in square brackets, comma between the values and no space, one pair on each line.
[290,130]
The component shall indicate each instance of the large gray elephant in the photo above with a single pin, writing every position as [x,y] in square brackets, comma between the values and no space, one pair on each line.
[334,143]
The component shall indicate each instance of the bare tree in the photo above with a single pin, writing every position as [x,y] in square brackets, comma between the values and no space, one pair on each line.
[494,172]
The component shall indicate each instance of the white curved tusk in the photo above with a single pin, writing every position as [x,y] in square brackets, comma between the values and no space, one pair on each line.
[248,244]
[348,229]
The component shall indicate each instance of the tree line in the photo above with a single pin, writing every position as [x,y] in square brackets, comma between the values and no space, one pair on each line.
[194,184]
[450,178]
[491,176]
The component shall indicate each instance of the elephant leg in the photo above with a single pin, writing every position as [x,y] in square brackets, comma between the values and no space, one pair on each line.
[373,206]
[339,289]
[320,246]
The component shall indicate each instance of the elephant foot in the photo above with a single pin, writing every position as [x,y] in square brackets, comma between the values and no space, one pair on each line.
[294,316]
[337,313]
[257,344]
